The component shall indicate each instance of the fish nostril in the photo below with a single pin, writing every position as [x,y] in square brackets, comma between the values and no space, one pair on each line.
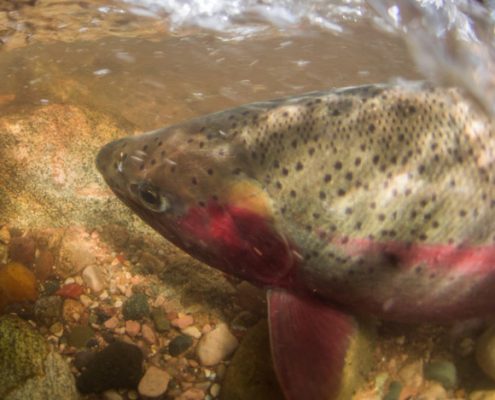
[105,156]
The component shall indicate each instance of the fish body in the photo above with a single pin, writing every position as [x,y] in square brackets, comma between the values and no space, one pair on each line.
[379,199]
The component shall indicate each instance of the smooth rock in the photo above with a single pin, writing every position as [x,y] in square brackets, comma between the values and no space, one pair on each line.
[192,331]
[132,328]
[119,365]
[72,310]
[434,391]
[136,307]
[70,291]
[160,320]
[43,265]
[192,394]
[216,345]
[443,372]
[48,310]
[77,251]
[111,323]
[148,334]
[215,390]
[482,395]
[17,284]
[411,374]
[485,352]
[183,321]
[93,278]
[154,383]
[29,370]
[112,395]
[179,345]
[250,374]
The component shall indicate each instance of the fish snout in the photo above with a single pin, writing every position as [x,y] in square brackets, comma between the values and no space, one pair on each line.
[106,156]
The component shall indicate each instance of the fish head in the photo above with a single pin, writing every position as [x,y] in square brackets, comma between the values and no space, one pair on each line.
[190,183]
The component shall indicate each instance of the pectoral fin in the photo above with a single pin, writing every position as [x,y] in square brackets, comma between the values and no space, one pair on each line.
[319,352]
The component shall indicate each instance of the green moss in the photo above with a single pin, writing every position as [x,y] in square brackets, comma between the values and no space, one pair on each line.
[22,353]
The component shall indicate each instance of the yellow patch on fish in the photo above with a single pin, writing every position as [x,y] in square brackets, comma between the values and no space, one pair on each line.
[249,195]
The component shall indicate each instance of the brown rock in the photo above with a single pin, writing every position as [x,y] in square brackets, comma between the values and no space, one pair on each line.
[77,251]
[72,311]
[154,383]
[43,265]
[22,249]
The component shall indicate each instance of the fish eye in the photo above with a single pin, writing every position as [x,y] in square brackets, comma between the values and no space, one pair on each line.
[151,198]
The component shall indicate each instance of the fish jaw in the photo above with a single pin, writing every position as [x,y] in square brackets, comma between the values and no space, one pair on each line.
[224,220]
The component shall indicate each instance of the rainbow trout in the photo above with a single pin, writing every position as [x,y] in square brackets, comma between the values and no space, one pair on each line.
[376,199]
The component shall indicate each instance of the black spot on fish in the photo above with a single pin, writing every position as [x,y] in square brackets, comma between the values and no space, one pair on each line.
[338,165]
[327,178]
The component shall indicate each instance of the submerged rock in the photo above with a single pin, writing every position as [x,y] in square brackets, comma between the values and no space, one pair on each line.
[29,370]
[17,284]
[250,374]
[136,307]
[119,365]
[216,345]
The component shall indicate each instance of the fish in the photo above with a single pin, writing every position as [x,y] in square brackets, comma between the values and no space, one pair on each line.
[374,200]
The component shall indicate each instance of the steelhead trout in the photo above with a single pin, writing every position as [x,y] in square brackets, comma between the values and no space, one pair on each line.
[376,199]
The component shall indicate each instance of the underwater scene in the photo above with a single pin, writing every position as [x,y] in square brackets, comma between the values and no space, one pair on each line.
[247,200]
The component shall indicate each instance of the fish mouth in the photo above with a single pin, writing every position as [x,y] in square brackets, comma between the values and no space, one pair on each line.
[106,155]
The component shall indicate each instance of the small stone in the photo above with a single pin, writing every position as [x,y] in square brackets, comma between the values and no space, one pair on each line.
[112,395]
[79,336]
[216,346]
[43,265]
[179,345]
[136,307]
[48,310]
[22,250]
[57,329]
[215,390]
[111,323]
[70,291]
[85,300]
[77,251]
[434,391]
[148,334]
[17,284]
[72,310]
[482,395]
[132,328]
[412,374]
[443,372]
[119,365]
[93,278]
[160,320]
[154,383]
[192,394]
[183,321]
[192,331]
[485,352]
[4,235]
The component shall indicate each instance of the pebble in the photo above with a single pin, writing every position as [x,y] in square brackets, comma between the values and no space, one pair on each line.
[85,300]
[47,310]
[136,307]
[77,251]
[216,345]
[112,395]
[17,284]
[93,278]
[154,383]
[148,334]
[111,323]
[57,329]
[43,265]
[179,345]
[132,328]
[119,365]
[434,391]
[5,235]
[192,331]
[412,374]
[215,390]
[482,395]
[160,320]
[182,321]
[70,291]
[72,310]
[443,372]
[192,394]
[485,352]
